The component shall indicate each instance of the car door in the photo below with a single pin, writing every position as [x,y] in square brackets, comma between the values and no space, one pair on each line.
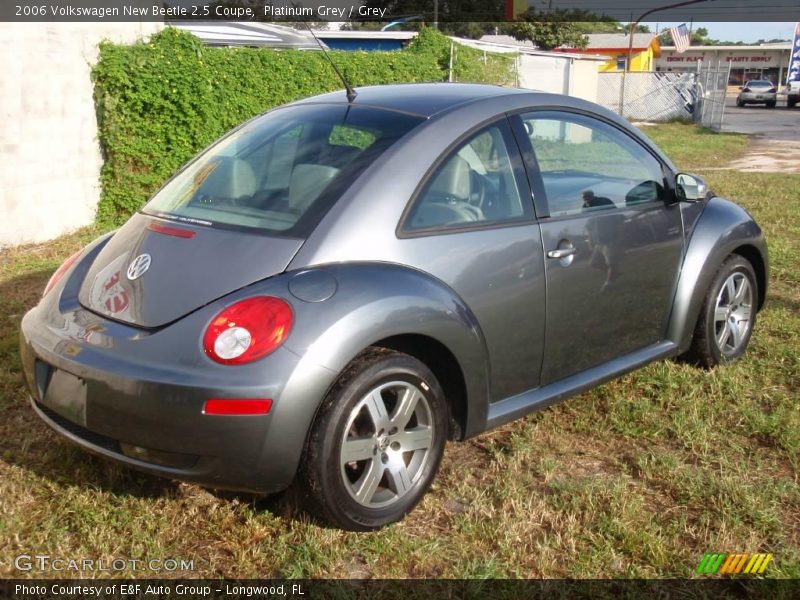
[612,239]
[472,226]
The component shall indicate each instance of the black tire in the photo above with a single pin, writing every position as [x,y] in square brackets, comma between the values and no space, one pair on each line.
[771,104]
[705,350]
[739,103]
[324,482]
[791,103]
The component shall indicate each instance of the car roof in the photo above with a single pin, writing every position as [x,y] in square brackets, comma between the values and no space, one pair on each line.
[422,99]
[477,102]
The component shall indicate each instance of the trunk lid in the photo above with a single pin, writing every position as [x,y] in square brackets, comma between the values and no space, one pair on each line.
[150,278]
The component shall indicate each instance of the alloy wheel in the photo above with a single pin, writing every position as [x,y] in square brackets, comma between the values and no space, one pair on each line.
[732,314]
[386,444]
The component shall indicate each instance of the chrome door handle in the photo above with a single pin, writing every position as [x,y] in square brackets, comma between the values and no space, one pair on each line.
[562,252]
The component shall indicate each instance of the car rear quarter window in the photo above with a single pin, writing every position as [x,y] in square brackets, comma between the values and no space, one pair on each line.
[479,183]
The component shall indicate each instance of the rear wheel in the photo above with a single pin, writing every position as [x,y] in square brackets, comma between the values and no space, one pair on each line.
[771,104]
[728,315]
[739,103]
[376,443]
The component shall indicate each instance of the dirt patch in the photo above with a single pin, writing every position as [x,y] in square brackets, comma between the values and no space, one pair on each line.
[769,156]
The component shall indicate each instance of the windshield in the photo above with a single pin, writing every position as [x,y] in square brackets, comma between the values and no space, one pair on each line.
[281,172]
[759,84]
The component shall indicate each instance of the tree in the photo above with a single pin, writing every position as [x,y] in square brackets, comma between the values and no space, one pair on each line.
[639,28]
[548,30]
[699,38]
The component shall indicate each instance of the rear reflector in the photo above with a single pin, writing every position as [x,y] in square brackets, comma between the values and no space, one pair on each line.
[236,406]
[167,230]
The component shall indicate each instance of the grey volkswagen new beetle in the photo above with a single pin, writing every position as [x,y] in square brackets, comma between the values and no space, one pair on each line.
[334,289]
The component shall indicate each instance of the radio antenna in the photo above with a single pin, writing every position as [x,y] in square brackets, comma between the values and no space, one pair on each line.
[350,92]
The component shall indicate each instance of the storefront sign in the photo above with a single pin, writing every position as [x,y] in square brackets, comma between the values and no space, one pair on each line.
[745,59]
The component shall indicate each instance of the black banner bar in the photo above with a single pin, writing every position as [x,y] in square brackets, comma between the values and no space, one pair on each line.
[388,589]
[461,11]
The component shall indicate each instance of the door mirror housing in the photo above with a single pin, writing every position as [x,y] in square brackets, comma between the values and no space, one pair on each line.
[690,188]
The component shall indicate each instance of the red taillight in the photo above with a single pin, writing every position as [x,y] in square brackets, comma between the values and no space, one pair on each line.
[248,330]
[237,406]
[60,272]
[173,231]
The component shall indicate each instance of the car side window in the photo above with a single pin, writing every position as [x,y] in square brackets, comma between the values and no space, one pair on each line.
[478,183]
[587,165]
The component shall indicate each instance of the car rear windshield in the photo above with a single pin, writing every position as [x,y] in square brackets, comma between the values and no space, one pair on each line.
[759,84]
[281,172]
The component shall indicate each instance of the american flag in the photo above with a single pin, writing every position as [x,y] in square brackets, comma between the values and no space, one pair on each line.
[680,35]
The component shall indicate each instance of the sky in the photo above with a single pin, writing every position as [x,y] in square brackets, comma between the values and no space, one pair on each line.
[739,32]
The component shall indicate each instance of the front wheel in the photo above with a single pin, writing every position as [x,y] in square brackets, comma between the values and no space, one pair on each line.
[376,443]
[728,316]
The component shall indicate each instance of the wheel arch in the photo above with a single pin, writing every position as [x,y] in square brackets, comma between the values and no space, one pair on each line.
[723,228]
[755,258]
[445,367]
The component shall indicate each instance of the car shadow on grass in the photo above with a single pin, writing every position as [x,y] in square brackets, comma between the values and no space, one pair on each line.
[28,443]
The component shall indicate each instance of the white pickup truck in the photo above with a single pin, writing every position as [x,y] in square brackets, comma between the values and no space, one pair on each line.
[793,94]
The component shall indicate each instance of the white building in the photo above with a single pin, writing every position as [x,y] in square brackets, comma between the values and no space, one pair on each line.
[48,128]
[556,72]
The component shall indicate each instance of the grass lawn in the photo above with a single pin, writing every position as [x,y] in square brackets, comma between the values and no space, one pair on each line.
[638,478]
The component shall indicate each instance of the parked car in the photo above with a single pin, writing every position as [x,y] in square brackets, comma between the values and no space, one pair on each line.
[792,94]
[334,289]
[758,92]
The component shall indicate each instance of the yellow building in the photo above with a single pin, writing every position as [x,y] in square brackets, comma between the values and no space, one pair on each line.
[644,53]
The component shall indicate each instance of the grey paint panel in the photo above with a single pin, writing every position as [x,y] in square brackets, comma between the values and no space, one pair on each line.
[375,301]
[498,274]
[184,273]
[591,320]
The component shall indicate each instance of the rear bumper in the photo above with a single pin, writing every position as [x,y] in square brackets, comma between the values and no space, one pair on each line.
[140,398]
[187,467]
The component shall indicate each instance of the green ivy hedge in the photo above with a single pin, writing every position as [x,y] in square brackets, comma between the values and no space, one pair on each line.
[159,103]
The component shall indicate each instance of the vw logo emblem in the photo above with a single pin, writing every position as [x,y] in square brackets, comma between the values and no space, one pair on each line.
[138,267]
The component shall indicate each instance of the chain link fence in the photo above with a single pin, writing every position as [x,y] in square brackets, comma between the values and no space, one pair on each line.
[661,97]
[712,89]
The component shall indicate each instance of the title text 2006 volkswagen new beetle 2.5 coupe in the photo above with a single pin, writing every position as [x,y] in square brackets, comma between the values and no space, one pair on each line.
[334,289]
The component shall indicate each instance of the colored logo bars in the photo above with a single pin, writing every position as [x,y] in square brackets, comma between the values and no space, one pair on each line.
[750,564]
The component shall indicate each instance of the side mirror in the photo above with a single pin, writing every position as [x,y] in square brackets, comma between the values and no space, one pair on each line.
[690,188]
